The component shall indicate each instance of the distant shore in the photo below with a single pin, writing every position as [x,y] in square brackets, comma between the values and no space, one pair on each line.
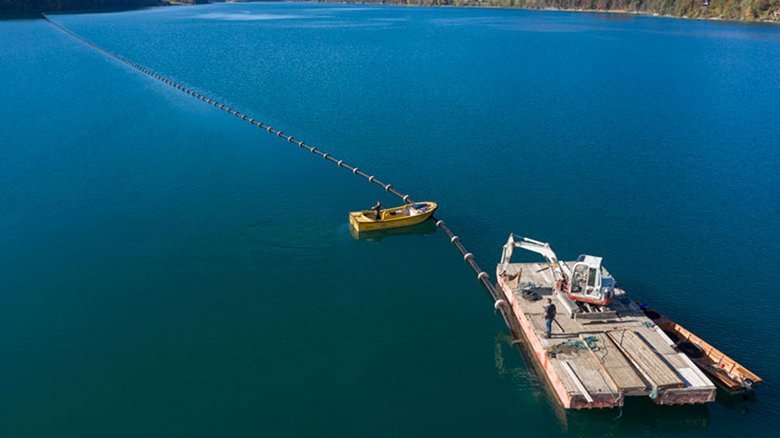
[715,10]
[687,9]
[628,12]
[33,8]
[650,14]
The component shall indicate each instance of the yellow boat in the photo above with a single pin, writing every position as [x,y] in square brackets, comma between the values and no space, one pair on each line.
[404,216]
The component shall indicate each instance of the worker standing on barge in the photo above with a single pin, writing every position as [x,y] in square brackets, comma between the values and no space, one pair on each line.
[549,317]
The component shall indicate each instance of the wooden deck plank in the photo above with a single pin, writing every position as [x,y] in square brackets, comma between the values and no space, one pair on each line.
[621,374]
[653,367]
[590,375]
[691,377]
[577,381]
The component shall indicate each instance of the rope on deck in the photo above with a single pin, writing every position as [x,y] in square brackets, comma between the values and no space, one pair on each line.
[482,276]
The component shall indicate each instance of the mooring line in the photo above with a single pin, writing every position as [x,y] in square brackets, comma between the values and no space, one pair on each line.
[482,276]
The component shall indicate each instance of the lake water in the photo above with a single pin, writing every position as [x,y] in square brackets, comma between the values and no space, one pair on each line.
[168,270]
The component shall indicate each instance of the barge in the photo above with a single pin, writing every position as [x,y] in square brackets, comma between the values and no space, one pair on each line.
[597,355]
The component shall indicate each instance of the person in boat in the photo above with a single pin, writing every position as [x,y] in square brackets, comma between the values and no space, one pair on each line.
[549,317]
[377,210]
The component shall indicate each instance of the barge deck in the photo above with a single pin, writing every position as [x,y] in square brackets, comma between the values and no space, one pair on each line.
[596,363]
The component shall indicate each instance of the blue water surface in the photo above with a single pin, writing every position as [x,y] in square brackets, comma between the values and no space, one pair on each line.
[168,270]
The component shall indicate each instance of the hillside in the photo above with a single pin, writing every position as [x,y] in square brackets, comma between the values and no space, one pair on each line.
[744,10]
[28,6]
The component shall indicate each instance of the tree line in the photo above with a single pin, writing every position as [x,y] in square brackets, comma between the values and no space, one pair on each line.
[30,6]
[746,10]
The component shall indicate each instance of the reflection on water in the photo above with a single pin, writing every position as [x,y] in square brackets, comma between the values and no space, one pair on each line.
[640,414]
[427,227]
[525,376]
[741,402]
[631,418]
[247,16]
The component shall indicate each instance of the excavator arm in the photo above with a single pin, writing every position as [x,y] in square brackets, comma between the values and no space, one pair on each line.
[560,271]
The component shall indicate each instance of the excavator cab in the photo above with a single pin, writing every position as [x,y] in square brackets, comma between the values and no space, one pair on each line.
[589,283]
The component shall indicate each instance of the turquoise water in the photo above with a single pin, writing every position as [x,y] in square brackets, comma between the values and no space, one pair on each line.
[169,271]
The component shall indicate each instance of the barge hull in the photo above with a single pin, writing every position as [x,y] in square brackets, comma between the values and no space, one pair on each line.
[597,363]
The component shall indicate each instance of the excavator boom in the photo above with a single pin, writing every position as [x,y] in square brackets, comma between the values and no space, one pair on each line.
[560,271]
[585,282]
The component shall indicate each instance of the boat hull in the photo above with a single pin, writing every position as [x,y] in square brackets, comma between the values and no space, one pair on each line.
[725,371]
[361,221]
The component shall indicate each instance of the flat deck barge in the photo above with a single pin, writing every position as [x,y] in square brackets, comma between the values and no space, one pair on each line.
[596,363]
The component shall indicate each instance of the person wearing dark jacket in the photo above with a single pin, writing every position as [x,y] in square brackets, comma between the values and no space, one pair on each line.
[549,317]
[377,210]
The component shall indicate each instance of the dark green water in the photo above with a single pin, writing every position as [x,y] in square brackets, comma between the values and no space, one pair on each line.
[169,271]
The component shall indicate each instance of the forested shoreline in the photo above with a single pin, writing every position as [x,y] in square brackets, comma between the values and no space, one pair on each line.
[742,10]
[34,6]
